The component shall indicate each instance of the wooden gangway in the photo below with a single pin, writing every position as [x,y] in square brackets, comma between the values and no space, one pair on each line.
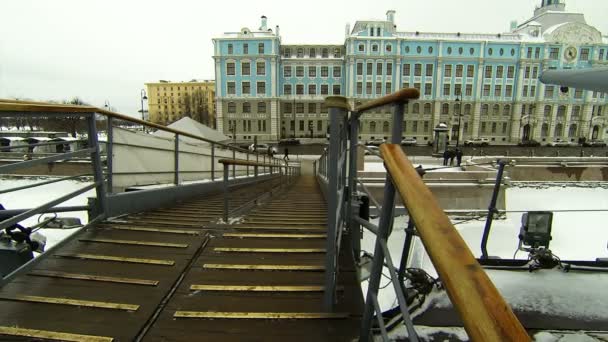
[175,274]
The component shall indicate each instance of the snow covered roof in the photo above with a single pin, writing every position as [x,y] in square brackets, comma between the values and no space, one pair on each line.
[193,127]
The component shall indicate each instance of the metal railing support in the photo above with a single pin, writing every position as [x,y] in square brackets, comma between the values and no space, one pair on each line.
[492,210]
[212,162]
[353,201]
[110,154]
[100,188]
[226,192]
[176,160]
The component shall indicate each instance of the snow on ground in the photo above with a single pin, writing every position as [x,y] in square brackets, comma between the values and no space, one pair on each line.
[33,197]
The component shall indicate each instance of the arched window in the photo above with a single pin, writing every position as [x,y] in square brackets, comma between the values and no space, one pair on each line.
[262,107]
[427,108]
[548,110]
[416,108]
[561,111]
[495,109]
[484,109]
[576,112]
[385,127]
[246,107]
[544,130]
[506,110]
[572,131]
[467,109]
[456,108]
[231,107]
[372,127]
[559,129]
[445,108]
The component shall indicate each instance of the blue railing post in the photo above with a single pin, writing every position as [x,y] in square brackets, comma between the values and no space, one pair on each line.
[353,202]
[100,188]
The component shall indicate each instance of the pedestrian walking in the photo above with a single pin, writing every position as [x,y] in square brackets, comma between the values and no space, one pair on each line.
[452,156]
[458,156]
[286,157]
[446,156]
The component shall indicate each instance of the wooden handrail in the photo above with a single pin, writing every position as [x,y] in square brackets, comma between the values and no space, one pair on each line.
[242,162]
[486,315]
[402,95]
[7,105]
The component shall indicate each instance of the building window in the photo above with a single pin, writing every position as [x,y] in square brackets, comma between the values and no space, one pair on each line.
[230,69]
[508,90]
[301,125]
[534,72]
[262,107]
[312,89]
[361,48]
[336,89]
[427,108]
[230,49]
[547,111]
[337,53]
[416,108]
[493,127]
[467,109]
[368,88]
[578,94]
[286,52]
[299,89]
[312,71]
[324,89]
[417,86]
[359,90]
[245,48]
[261,88]
[312,53]
[584,54]
[324,53]
[319,125]
[484,109]
[537,53]
[287,108]
[470,70]
[429,70]
[553,53]
[337,71]
[468,90]
[378,88]
[312,108]
[601,55]
[261,48]
[525,91]
[388,88]
[299,71]
[369,69]
[324,71]
[428,89]
[447,70]
[532,91]
[246,107]
[246,68]
[459,70]
[486,90]
[576,111]
[488,73]
[231,107]
[445,108]
[359,69]
[372,127]
[287,89]
[261,68]
[497,90]
[379,68]
[389,48]
[246,88]
[506,110]
[406,69]
[299,108]
[510,71]
[529,54]
[495,109]
[287,71]
[385,127]
[231,88]
[499,71]
[375,48]
[457,89]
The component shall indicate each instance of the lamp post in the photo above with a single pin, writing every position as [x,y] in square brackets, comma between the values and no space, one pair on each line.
[459,118]
[106,105]
[143,97]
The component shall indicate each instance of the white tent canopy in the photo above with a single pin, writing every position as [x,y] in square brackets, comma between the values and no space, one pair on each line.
[193,127]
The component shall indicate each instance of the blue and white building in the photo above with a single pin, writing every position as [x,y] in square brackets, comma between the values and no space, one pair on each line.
[488,81]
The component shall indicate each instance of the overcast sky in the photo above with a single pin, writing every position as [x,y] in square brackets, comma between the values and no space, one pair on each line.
[107,50]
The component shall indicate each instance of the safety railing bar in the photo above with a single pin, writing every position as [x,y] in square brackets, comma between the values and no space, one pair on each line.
[52,143]
[379,317]
[402,95]
[409,325]
[485,314]
[43,183]
[367,225]
[16,219]
[29,163]
[12,212]
[171,149]
[369,194]
[242,162]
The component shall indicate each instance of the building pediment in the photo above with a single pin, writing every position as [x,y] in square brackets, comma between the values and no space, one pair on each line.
[573,34]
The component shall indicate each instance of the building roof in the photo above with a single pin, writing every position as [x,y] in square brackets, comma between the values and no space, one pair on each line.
[191,126]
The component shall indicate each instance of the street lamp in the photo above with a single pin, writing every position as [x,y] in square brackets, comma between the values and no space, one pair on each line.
[143,97]
[459,117]
[106,105]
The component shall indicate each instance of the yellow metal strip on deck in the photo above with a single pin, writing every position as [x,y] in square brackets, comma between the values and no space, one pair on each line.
[259,315]
[92,277]
[256,288]
[272,235]
[74,302]
[269,250]
[137,243]
[156,230]
[265,267]
[52,335]
[117,258]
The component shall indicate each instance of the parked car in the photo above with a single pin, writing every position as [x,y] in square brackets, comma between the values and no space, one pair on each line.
[594,143]
[477,142]
[559,142]
[289,141]
[262,148]
[528,143]
[409,142]
[371,148]
[376,142]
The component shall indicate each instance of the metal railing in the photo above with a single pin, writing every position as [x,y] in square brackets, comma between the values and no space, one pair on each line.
[485,314]
[106,202]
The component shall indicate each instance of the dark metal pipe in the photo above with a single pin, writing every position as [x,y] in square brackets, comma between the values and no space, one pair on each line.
[492,210]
